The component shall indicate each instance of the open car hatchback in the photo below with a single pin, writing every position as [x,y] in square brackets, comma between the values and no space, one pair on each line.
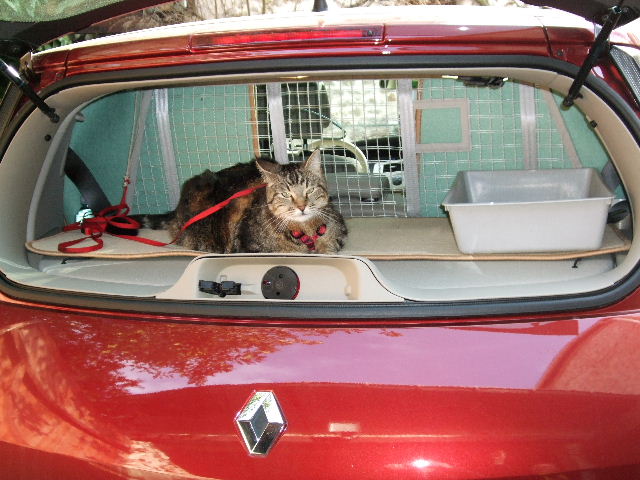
[478,321]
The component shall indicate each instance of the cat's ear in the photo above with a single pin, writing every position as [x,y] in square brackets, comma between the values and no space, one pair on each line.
[313,164]
[268,170]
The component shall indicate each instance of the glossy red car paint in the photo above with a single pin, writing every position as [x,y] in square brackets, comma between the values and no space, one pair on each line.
[397,40]
[110,397]
[567,44]
[101,394]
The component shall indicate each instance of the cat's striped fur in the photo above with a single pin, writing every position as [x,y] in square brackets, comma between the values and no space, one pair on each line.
[295,199]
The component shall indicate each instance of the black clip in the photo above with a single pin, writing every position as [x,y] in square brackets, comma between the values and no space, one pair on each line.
[221,289]
[491,82]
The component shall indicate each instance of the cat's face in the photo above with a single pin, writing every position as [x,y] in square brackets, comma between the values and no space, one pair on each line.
[296,192]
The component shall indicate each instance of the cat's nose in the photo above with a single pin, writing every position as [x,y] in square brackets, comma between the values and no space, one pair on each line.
[302,207]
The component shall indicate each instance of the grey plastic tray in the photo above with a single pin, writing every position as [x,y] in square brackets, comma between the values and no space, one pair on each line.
[528,210]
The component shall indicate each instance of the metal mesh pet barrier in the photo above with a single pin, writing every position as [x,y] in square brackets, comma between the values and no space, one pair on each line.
[459,124]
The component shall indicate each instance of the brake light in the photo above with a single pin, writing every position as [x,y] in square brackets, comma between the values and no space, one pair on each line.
[284,37]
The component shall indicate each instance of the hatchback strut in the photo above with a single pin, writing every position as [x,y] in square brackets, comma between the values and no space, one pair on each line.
[14,77]
[597,49]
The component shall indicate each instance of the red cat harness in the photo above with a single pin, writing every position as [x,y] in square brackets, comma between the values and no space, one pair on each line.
[117,216]
[309,240]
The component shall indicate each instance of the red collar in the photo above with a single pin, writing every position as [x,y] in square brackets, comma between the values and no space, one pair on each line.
[308,240]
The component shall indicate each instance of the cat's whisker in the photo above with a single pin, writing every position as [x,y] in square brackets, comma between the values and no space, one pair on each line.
[273,222]
[326,215]
[277,223]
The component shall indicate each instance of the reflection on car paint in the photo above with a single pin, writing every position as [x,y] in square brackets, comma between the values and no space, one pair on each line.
[136,395]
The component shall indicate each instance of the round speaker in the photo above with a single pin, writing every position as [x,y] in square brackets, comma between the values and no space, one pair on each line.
[280,283]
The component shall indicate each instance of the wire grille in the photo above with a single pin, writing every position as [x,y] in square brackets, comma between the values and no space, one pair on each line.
[496,137]
[217,126]
[356,125]
[149,194]
[211,127]
[364,115]
[495,131]
[552,152]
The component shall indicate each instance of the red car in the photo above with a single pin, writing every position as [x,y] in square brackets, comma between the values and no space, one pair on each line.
[478,322]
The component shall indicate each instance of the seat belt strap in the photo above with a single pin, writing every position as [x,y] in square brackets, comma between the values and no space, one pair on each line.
[85,182]
[610,176]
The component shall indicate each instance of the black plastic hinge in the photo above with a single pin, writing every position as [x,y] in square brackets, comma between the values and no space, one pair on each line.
[598,49]
[221,289]
[11,74]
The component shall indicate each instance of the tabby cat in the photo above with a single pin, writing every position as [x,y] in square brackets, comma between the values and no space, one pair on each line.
[292,213]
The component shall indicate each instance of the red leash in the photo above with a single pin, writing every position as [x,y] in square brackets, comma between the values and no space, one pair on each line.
[116,216]
[218,206]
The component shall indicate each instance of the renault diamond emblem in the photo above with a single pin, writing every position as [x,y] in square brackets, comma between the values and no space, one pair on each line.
[261,422]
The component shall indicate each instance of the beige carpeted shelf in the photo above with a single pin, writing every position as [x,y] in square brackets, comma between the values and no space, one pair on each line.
[381,238]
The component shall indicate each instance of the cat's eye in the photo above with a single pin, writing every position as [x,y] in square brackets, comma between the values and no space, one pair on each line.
[285,194]
[311,190]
